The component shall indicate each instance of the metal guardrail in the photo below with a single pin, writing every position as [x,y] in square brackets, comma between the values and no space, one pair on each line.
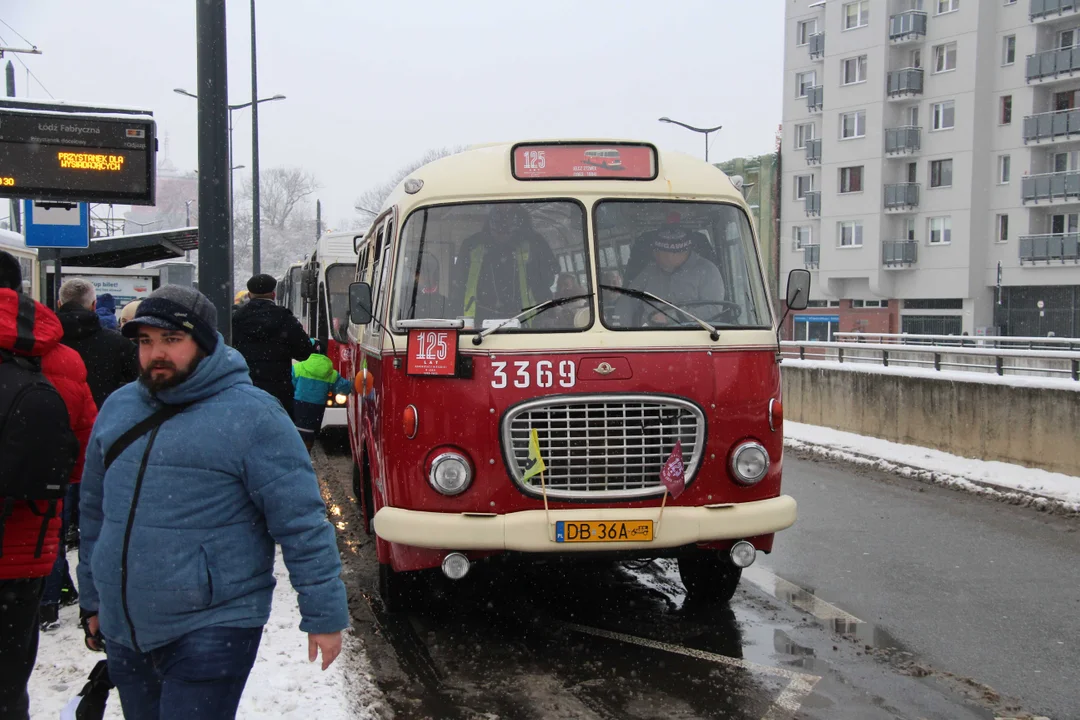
[1052,63]
[906,139]
[815,98]
[901,195]
[811,256]
[907,25]
[994,341]
[899,252]
[817,46]
[908,81]
[1045,8]
[1001,361]
[1050,125]
[813,202]
[1050,186]
[1050,248]
[813,152]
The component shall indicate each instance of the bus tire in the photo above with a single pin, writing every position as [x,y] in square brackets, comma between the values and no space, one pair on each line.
[709,577]
[395,589]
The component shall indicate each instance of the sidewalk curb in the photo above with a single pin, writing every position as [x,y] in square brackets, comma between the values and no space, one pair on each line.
[955,482]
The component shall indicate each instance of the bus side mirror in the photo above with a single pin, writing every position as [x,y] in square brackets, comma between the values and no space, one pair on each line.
[360,303]
[798,289]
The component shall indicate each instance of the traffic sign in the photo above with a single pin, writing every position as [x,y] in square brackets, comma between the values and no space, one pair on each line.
[57,225]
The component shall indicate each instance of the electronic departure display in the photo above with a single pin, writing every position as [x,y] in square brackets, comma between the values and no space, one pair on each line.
[584,161]
[77,157]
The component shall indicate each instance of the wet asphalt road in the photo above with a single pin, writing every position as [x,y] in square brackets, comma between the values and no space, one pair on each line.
[620,641]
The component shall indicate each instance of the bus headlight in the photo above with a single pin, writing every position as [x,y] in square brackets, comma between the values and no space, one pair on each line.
[340,399]
[749,463]
[450,473]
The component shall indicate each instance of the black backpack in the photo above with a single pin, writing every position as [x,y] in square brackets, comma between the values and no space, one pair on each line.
[37,443]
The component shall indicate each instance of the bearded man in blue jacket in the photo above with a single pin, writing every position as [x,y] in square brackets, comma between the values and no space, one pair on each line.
[180,520]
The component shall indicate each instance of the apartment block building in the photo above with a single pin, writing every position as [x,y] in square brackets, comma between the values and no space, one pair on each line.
[931,165]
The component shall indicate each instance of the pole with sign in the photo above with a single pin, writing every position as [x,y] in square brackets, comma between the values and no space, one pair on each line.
[53,226]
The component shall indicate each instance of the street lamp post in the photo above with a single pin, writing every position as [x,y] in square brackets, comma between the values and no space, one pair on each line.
[255,146]
[704,131]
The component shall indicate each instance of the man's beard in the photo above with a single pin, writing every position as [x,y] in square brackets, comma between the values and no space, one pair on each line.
[157,384]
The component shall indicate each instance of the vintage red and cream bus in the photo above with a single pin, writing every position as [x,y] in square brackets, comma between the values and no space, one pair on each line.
[557,359]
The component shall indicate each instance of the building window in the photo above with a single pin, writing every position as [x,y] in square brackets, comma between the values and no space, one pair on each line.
[803,185]
[944,57]
[851,179]
[869,303]
[1010,2]
[853,125]
[849,233]
[801,236]
[944,115]
[803,134]
[941,173]
[1004,169]
[915,59]
[947,6]
[804,81]
[1008,50]
[1005,115]
[856,14]
[804,30]
[853,70]
[940,230]
[1002,228]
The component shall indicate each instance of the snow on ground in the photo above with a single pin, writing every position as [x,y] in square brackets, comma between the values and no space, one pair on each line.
[282,684]
[1015,483]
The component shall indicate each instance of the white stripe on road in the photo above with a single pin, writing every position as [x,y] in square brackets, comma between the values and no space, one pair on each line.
[787,702]
[801,598]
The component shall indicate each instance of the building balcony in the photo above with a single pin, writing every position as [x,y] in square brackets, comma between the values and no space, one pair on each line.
[904,83]
[1052,65]
[815,98]
[906,27]
[901,196]
[904,140]
[813,202]
[811,256]
[813,152]
[1050,10]
[1050,249]
[817,46]
[1058,125]
[899,253]
[1051,187]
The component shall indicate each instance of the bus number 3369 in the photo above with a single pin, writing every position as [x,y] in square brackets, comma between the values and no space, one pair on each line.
[526,374]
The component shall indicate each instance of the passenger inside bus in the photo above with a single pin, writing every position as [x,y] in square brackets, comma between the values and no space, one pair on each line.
[568,285]
[506,267]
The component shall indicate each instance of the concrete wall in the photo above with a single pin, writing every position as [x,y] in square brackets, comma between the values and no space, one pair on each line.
[1031,426]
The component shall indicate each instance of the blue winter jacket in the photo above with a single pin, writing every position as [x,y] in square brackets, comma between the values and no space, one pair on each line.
[224,480]
[106,312]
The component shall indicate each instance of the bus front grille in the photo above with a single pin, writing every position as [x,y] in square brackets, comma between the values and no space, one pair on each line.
[602,447]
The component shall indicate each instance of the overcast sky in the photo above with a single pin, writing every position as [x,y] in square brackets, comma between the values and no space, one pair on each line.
[373,85]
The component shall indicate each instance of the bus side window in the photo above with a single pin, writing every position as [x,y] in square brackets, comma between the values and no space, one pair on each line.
[374,330]
[323,329]
[381,291]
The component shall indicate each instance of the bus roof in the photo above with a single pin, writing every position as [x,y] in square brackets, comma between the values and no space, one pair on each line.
[338,244]
[9,238]
[484,172]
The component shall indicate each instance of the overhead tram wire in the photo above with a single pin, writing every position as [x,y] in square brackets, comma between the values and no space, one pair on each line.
[23,63]
[21,36]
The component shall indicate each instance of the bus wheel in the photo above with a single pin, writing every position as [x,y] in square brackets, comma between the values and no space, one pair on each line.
[397,590]
[709,577]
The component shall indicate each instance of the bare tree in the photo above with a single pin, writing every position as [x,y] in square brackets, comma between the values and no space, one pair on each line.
[280,190]
[288,222]
[372,199]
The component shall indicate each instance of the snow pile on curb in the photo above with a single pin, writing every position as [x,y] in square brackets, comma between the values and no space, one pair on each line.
[1003,481]
[282,684]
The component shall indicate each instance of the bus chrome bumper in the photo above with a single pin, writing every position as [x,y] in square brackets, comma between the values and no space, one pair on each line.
[530,531]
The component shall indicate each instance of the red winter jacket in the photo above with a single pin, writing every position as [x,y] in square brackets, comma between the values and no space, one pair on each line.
[65,370]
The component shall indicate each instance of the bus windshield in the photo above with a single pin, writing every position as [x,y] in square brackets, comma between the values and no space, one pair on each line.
[338,278]
[698,256]
[483,263]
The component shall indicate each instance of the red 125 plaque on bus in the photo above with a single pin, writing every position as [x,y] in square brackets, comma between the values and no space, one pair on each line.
[584,161]
[432,352]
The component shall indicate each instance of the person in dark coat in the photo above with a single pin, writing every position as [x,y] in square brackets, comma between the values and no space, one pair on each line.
[106,311]
[269,338]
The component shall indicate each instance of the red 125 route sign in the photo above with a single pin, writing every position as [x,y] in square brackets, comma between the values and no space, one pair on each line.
[432,352]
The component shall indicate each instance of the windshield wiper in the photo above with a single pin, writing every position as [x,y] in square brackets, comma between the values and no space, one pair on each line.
[714,334]
[535,310]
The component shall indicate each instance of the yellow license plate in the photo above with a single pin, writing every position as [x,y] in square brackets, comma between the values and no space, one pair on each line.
[570,531]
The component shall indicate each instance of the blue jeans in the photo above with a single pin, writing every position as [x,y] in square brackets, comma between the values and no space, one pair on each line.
[60,571]
[201,676]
